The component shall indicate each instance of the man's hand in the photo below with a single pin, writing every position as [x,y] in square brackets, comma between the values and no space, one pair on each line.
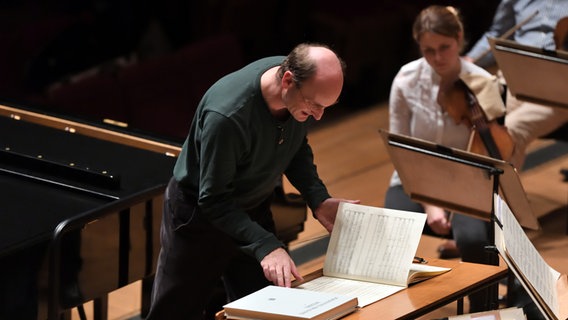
[327,210]
[278,267]
[437,219]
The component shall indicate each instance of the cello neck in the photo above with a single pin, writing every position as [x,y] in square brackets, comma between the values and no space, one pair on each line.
[480,124]
[477,115]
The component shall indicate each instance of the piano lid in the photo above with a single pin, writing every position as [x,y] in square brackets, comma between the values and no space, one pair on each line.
[77,161]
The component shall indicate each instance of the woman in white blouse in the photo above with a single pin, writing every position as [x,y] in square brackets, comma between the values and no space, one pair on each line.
[415,111]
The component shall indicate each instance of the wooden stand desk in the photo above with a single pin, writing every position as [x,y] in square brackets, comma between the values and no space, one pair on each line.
[424,297]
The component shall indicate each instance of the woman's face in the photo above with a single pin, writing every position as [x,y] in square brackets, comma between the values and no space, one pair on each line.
[441,53]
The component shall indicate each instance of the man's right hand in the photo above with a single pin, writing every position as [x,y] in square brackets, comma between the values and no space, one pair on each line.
[278,267]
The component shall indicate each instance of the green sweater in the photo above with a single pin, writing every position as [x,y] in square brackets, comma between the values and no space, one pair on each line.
[235,153]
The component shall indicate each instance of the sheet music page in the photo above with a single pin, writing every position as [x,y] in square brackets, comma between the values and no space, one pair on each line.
[366,292]
[373,244]
[521,251]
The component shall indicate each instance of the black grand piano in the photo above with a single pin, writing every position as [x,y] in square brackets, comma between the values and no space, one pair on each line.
[81,210]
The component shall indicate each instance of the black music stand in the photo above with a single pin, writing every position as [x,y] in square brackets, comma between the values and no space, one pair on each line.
[458,181]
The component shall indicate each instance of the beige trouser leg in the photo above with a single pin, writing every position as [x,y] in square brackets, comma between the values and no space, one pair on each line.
[527,121]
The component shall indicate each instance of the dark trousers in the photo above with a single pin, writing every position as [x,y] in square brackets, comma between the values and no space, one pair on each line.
[471,236]
[195,256]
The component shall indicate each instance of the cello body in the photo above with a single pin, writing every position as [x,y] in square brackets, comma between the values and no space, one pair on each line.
[494,141]
[487,138]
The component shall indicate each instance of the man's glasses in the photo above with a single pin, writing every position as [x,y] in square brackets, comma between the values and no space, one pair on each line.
[312,104]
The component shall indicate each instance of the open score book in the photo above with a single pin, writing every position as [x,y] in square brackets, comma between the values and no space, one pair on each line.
[370,253]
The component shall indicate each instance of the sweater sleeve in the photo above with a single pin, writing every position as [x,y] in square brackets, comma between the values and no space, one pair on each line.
[303,175]
[220,147]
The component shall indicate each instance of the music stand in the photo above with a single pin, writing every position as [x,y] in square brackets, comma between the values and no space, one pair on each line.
[458,181]
[533,74]
[546,286]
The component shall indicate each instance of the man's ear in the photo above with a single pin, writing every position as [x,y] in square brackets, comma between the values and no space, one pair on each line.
[288,80]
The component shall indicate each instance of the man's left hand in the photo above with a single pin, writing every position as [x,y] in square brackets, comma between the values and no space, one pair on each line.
[327,211]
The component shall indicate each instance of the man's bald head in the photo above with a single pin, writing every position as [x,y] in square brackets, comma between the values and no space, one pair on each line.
[316,66]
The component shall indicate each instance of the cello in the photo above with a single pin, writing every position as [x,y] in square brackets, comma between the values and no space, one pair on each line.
[487,137]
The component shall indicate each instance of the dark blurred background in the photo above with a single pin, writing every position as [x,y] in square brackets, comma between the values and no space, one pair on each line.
[147,62]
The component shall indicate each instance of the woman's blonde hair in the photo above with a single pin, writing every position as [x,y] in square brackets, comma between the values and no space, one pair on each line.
[440,20]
